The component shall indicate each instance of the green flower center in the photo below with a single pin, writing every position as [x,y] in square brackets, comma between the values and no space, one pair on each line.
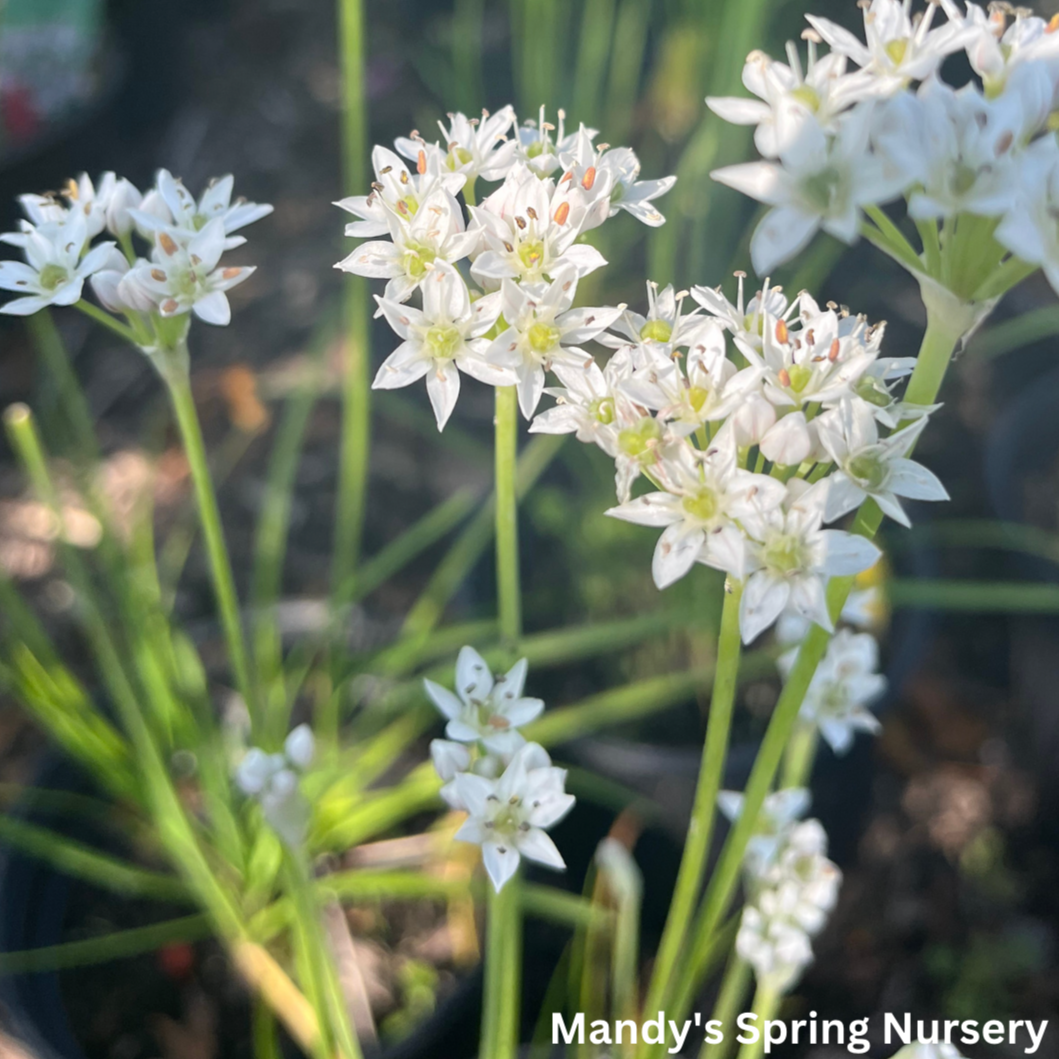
[53,276]
[896,50]
[443,341]
[656,331]
[603,410]
[800,376]
[639,441]
[457,157]
[416,259]
[542,338]
[508,818]
[868,390]
[807,96]
[199,221]
[703,506]
[823,189]
[867,470]
[535,149]
[697,397]
[785,555]
[531,254]
[964,178]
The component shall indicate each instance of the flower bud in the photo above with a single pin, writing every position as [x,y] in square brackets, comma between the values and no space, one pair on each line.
[449,758]
[300,746]
[125,197]
[751,419]
[788,441]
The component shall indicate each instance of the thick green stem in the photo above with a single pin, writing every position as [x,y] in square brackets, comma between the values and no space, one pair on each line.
[508,586]
[179,384]
[799,757]
[503,969]
[935,354]
[356,386]
[700,827]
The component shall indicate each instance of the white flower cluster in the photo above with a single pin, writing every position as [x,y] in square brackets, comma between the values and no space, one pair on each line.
[496,285]
[872,121]
[273,780]
[509,788]
[186,239]
[702,403]
[790,900]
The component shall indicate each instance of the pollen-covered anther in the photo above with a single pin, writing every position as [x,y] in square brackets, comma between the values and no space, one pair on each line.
[562,213]
[167,243]
[589,178]
[781,332]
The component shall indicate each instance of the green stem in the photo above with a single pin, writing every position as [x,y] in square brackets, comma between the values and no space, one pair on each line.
[509,593]
[728,1006]
[799,756]
[700,827]
[179,384]
[503,966]
[766,1003]
[935,353]
[356,388]
[108,321]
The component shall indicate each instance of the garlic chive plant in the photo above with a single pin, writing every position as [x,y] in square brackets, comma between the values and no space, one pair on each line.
[764,437]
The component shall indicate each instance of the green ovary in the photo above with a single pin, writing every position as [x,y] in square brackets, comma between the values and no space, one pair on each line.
[867,470]
[867,390]
[417,258]
[800,376]
[785,555]
[639,441]
[444,342]
[964,178]
[542,338]
[823,189]
[656,331]
[697,397]
[457,157]
[535,149]
[702,506]
[896,50]
[53,276]
[603,410]
[807,96]
[531,254]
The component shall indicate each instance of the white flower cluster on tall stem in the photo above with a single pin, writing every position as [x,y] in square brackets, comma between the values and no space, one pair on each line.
[497,276]
[185,239]
[871,122]
[273,780]
[508,787]
[756,425]
[789,904]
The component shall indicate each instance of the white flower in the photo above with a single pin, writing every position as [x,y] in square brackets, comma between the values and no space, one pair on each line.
[473,147]
[745,323]
[123,200]
[822,180]
[397,191]
[845,684]
[864,608]
[435,233]
[707,493]
[868,466]
[538,150]
[170,207]
[54,271]
[528,227]
[997,49]
[963,153]
[611,174]
[787,96]
[665,326]
[899,48]
[441,340]
[483,709]
[752,419]
[820,362]
[790,558]
[776,948]
[777,817]
[709,388]
[507,816]
[1029,229]
[185,277]
[272,779]
[590,403]
[544,332]
[788,441]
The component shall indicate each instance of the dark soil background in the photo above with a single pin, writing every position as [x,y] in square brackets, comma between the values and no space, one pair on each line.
[946,826]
